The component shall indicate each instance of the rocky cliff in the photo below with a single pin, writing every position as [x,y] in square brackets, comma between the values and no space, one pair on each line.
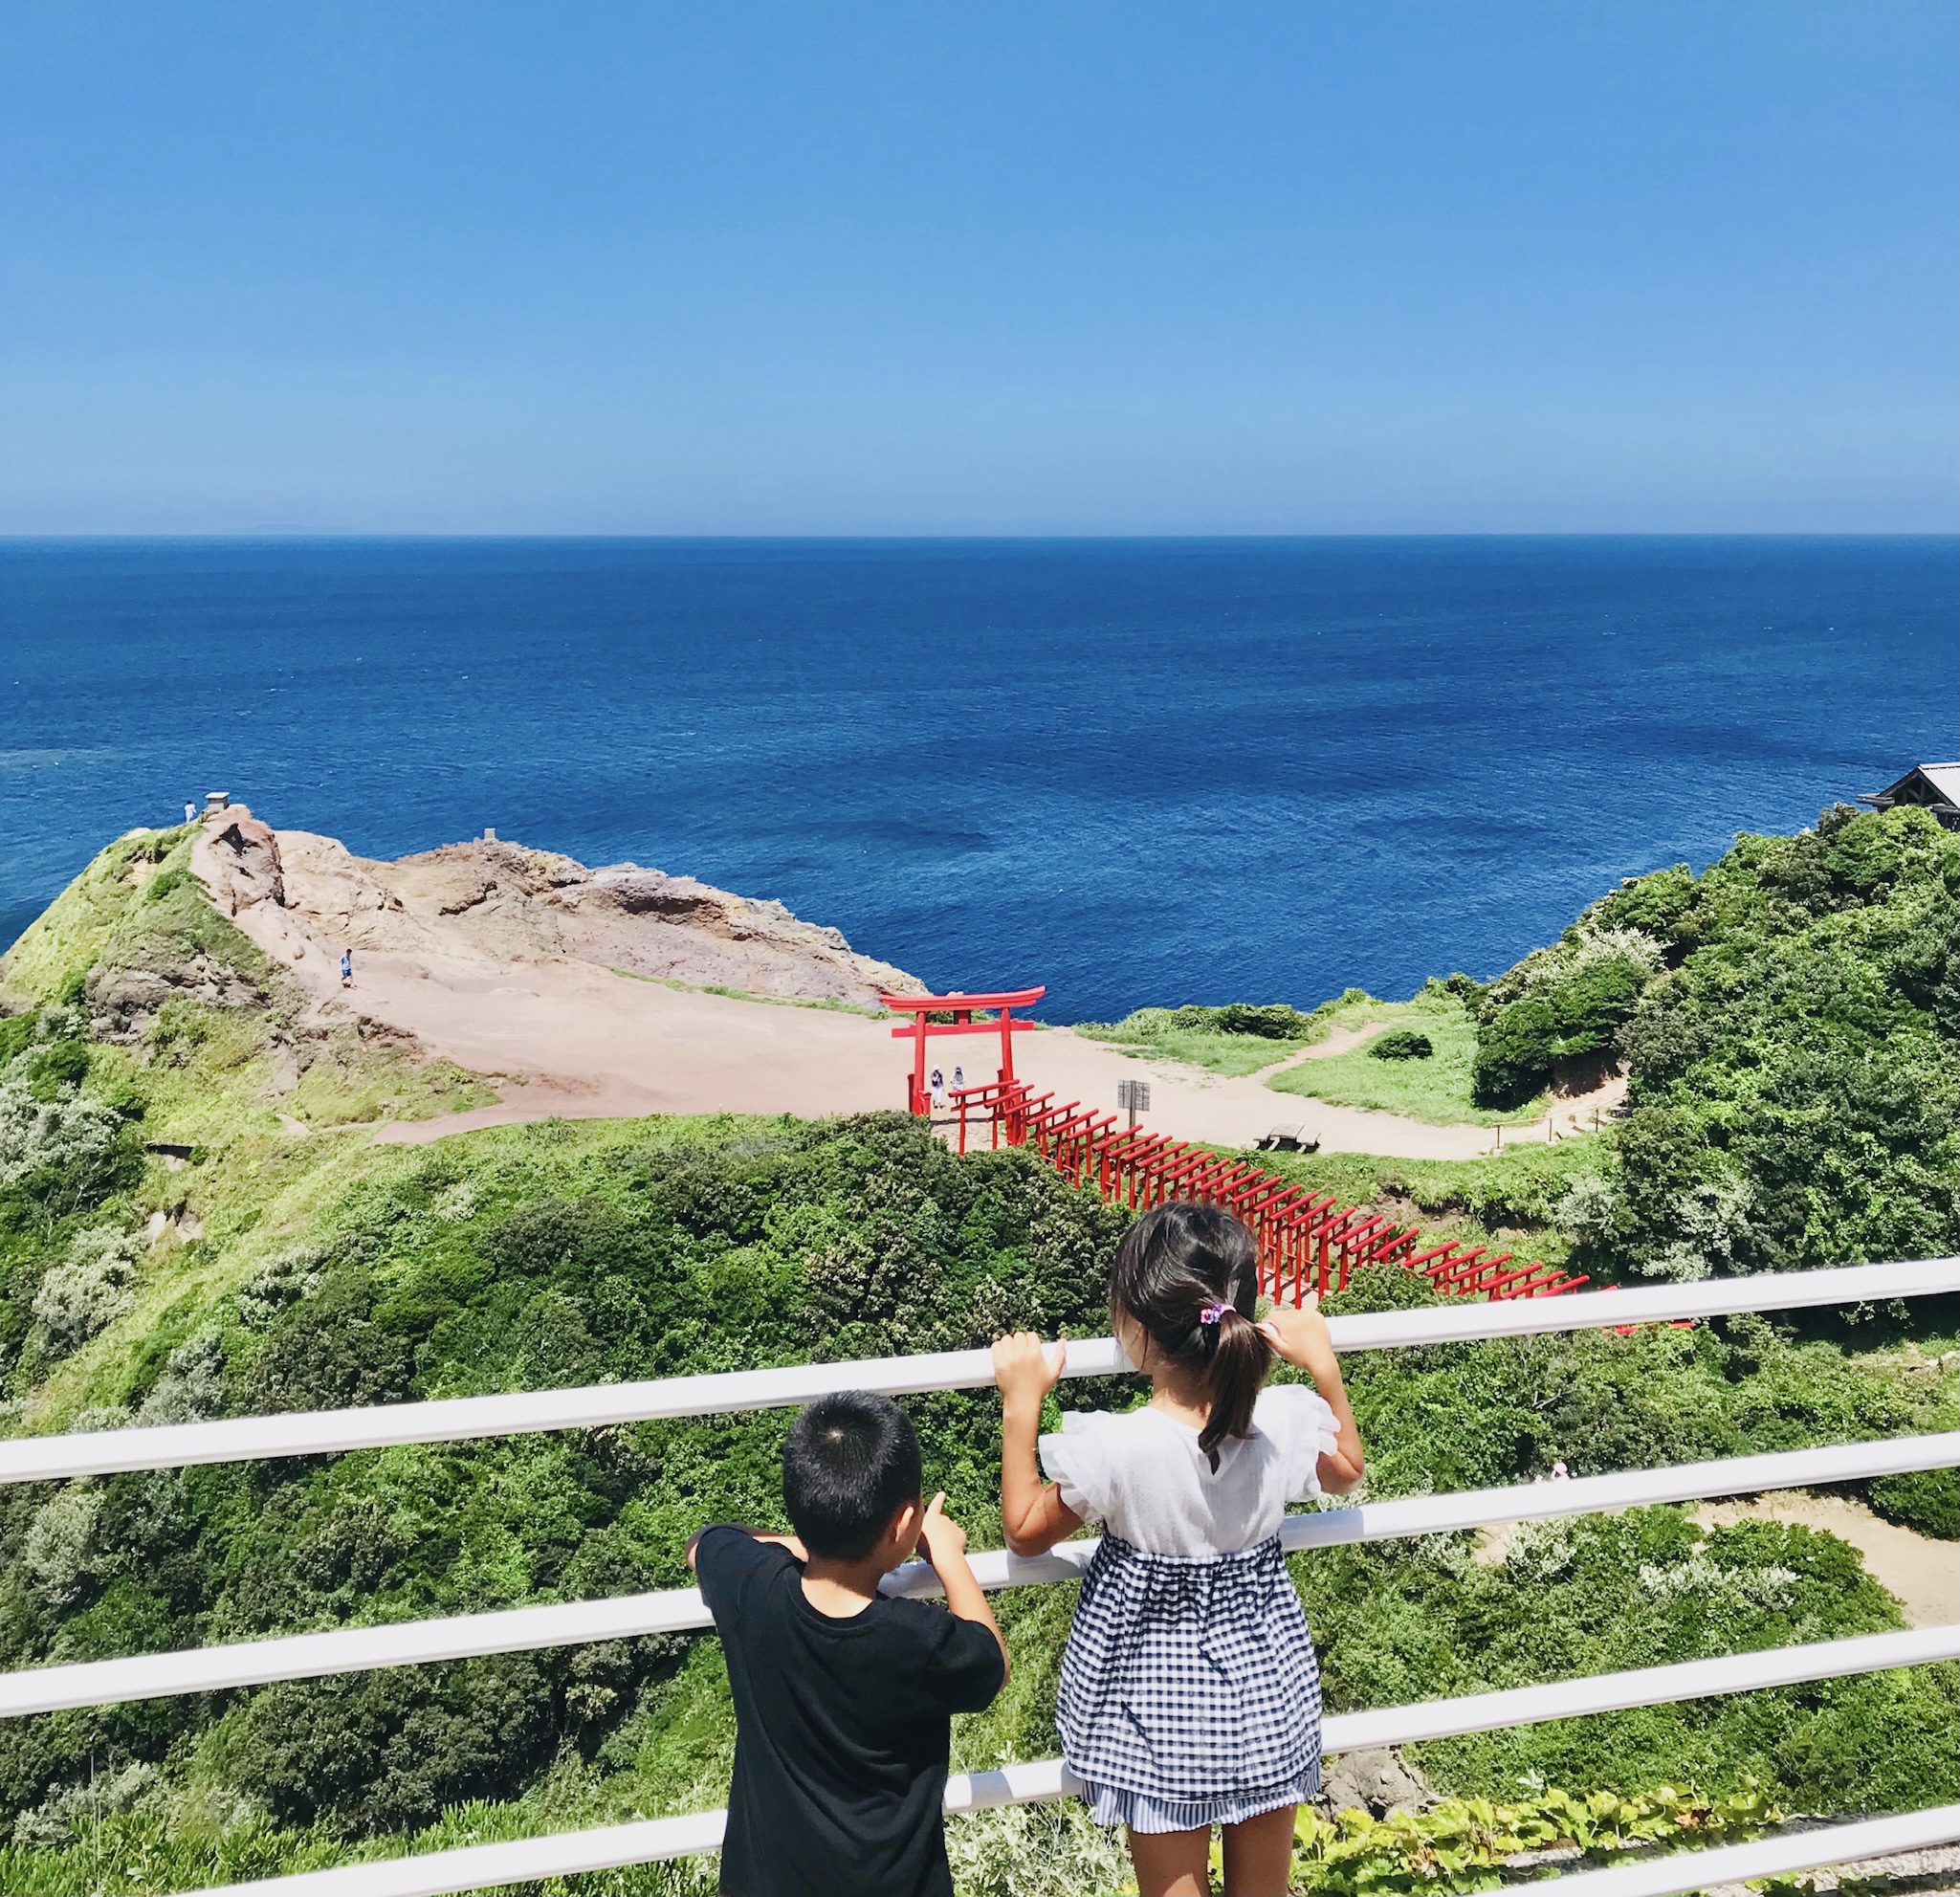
[305,898]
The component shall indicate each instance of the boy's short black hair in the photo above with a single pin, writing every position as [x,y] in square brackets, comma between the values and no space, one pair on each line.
[850,1464]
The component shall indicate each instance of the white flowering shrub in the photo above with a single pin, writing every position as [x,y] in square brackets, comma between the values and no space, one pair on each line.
[1587,1210]
[1708,1221]
[1700,1578]
[192,1385]
[457,1203]
[56,1821]
[1540,1551]
[93,1285]
[1046,1851]
[54,1556]
[60,1154]
[1712,1220]
[282,1281]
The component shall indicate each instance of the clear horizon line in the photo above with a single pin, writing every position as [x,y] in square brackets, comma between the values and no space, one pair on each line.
[334,534]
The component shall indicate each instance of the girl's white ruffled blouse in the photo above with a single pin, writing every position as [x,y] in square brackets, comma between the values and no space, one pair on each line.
[1142,1475]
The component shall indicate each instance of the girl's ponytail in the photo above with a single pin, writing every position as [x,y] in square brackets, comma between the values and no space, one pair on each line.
[1239,1359]
[1189,1274]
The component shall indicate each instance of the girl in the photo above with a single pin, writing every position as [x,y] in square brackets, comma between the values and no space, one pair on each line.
[1190,1696]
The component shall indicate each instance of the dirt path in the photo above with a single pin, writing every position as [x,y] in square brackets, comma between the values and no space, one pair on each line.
[1339,1041]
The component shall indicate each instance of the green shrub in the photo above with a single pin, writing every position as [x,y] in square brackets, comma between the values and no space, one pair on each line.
[58,1156]
[89,1288]
[1401,1044]
[1517,1049]
[388,1751]
[1276,1022]
[16,1032]
[1234,1040]
[1558,1004]
[1926,1499]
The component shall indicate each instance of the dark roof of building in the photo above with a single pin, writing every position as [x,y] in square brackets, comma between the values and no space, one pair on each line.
[1930,785]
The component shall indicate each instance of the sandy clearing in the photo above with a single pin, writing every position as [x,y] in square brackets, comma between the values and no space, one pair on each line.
[571,1039]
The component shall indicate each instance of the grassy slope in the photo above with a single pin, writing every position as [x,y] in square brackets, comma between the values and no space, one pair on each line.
[206,1079]
[210,1073]
[1235,1056]
[1436,1091]
[1159,1033]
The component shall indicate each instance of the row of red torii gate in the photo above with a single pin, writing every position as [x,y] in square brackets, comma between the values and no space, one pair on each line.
[1308,1242]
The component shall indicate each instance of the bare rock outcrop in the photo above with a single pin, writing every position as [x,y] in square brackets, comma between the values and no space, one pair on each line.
[124,999]
[1379,1780]
[239,861]
[496,902]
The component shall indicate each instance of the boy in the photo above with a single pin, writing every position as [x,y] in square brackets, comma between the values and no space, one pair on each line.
[843,1697]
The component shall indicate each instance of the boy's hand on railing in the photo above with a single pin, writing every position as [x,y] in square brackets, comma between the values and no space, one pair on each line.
[940,1537]
[944,1543]
[1300,1337]
[1024,1371]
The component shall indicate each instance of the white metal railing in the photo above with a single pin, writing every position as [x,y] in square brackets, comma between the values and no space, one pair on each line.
[679,1610]
[1678,1871]
[351,1649]
[1665,1874]
[321,1432]
[610,1847]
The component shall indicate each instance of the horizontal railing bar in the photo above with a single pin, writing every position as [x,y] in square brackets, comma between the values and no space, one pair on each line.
[521,1861]
[455,1418]
[447,1420]
[679,1610]
[1671,1873]
[1644,1686]
[1627,1489]
[441,1872]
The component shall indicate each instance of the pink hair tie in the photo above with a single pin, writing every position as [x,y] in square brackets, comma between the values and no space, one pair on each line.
[1213,1314]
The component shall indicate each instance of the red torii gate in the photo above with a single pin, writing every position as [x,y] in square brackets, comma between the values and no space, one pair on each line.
[963,1009]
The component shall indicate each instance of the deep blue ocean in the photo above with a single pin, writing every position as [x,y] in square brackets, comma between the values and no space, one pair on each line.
[1138,771]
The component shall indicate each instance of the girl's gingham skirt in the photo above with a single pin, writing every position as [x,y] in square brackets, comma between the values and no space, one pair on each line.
[1190,1694]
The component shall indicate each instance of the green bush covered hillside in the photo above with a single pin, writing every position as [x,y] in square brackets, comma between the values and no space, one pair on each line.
[1789,1023]
[256,1267]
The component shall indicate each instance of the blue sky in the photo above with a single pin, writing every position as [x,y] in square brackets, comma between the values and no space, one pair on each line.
[757,268]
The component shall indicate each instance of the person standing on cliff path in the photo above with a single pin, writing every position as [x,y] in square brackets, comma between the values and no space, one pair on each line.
[958,1080]
[346,968]
[937,1083]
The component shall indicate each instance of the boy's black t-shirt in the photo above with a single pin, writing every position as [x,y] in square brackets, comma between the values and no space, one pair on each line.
[842,1729]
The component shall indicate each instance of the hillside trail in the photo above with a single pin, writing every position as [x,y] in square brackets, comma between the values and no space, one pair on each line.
[1339,1041]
